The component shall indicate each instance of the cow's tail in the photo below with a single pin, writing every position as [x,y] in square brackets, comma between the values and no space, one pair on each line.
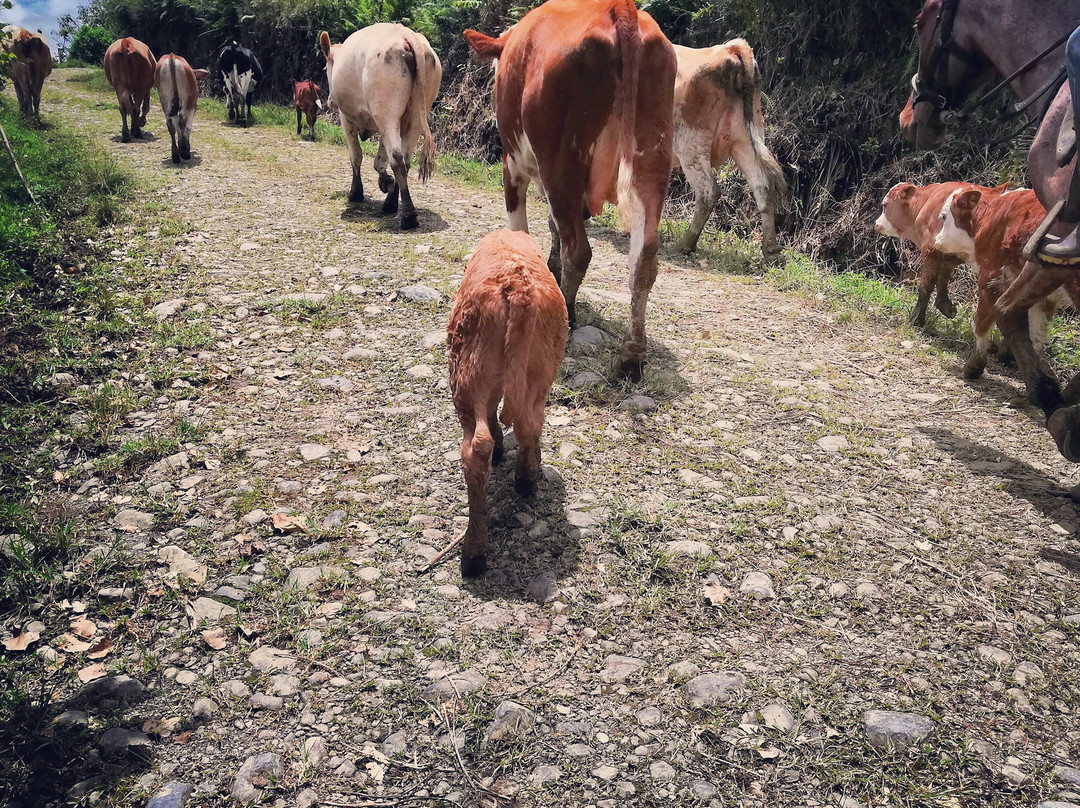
[748,86]
[628,41]
[521,316]
[174,107]
[417,106]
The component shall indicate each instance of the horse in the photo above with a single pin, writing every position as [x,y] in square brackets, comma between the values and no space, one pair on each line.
[963,45]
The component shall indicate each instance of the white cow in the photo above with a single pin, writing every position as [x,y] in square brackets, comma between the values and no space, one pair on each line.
[384,78]
[178,90]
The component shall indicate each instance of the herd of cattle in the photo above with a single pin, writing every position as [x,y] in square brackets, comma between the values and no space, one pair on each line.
[596,106]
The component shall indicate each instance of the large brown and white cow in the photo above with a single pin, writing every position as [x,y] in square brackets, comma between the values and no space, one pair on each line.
[718,118]
[129,67]
[583,100]
[384,78]
[178,90]
[28,70]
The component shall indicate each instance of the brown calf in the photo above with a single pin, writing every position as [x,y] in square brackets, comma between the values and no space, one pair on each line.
[505,340]
[306,97]
[129,67]
[913,213]
[992,231]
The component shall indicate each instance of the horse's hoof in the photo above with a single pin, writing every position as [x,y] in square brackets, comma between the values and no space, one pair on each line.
[1064,426]
[356,197]
[473,567]
[410,222]
[390,206]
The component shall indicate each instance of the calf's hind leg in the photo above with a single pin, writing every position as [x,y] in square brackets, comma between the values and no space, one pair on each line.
[477,447]
[702,179]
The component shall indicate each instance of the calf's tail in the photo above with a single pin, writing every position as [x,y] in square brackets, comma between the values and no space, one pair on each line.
[521,317]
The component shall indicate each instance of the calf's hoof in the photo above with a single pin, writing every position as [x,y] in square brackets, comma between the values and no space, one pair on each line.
[974,367]
[409,222]
[524,486]
[630,368]
[917,317]
[1064,426]
[473,566]
[947,309]
[176,156]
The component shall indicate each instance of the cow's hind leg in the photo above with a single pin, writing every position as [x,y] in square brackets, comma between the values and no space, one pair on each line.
[387,184]
[299,114]
[399,164]
[574,250]
[555,256]
[356,158]
[764,196]
[527,428]
[702,179]
[171,123]
[136,123]
[644,241]
[123,101]
[184,125]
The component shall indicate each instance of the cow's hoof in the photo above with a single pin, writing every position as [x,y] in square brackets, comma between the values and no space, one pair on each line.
[917,317]
[142,120]
[948,310]
[1064,426]
[974,367]
[473,567]
[630,368]
[390,206]
[185,154]
[524,486]
[684,248]
[125,138]
[386,183]
[409,222]
[771,253]
[176,157]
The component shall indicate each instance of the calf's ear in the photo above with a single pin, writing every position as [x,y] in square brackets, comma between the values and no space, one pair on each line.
[905,191]
[485,47]
[965,202]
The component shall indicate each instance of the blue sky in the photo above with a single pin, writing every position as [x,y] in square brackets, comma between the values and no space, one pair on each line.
[35,14]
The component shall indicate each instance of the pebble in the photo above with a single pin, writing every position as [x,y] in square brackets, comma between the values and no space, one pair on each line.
[336,383]
[133,521]
[832,443]
[579,750]
[266,766]
[777,716]
[661,770]
[269,660]
[314,451]
[314,751]
[203,709]
[261,701]
[420,293]
[587,336]
[118,688]
[303,578]
[620,668]
[759,585]
[307,798]
[999,656]
[637,404]
[284,684]
[710,689]
[542,588]
[456,683]
[649,717]
[117,741]
[685,548]
[546,774]
[209,610]
[512,720]
[171,795]
[187,678]
[236,689]
[887,729]
[703,790]
[584,379]
[395,744]
[605,773]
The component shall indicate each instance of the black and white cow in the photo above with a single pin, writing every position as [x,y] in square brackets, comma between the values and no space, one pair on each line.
[241,73]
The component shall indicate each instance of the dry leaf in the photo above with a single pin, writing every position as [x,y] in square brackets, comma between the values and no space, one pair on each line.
[284,523]
[249,546]
[156,592]
[215,638]
[160,726]
[78,607]
[100,650]
[21,642]
[83,628]
[714,593]
[68,643]
[92,672]
[183,737]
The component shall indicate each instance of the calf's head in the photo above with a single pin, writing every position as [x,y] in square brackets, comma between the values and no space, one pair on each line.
[957,234]
[897,217]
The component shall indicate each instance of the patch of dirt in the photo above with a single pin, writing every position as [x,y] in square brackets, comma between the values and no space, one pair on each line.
[907,520]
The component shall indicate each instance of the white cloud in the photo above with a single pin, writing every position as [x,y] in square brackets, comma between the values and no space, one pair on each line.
[39,15]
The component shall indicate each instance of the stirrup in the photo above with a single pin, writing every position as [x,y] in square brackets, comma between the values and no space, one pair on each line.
[1031,249]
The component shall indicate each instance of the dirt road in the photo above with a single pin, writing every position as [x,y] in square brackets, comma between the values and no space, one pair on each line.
[798,520]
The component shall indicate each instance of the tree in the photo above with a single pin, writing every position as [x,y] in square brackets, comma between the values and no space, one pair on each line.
[65,29]
[89,44]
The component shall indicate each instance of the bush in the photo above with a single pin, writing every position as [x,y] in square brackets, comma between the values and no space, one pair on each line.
[89,45]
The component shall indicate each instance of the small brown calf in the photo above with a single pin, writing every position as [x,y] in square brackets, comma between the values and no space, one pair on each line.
[306,97]
[505,340]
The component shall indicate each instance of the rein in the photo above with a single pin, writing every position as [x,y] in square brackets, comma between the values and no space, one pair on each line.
[937,68]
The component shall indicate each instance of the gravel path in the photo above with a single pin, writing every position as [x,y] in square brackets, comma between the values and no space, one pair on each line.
[793,523]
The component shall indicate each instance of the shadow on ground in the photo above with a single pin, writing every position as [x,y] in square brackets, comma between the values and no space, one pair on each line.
[370,210]
[527,536]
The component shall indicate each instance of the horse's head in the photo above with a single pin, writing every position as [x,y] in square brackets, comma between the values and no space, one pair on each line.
[950,66]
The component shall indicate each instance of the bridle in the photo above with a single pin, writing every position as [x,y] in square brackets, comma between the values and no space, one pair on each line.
[930,84]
